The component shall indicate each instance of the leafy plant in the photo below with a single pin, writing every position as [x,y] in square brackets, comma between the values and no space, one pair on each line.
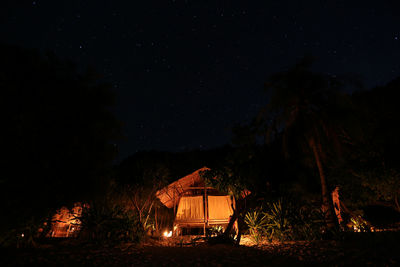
[309,223]
[359,224]
[103,223]
[257,222]
[284,220]
[137,188]
[215,230]
[24,236]
[280,216]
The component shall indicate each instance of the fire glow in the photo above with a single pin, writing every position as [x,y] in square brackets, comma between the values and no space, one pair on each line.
[167,234]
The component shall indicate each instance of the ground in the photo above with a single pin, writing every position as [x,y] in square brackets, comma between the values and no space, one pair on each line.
[376,251]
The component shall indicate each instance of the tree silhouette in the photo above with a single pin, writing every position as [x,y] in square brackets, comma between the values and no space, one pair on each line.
[303,109]
[371,174]
[138,182]
[57,131]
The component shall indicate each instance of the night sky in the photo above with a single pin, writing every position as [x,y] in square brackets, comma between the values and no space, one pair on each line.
[185,71]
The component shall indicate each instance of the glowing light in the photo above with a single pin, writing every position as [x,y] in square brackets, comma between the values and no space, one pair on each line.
[22,235]
[168,234]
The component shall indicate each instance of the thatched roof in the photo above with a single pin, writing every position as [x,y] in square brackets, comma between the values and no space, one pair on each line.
[174,191]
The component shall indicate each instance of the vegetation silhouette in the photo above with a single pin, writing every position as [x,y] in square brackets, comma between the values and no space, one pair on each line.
[59,132]
[57,135]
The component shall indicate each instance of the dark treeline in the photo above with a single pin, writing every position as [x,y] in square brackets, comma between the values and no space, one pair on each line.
[56,139]
[310,138]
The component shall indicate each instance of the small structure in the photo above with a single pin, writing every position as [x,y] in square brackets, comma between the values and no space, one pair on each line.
[65,222]
[196,205]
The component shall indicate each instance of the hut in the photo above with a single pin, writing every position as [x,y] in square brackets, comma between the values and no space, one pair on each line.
[65,222]
[196,205]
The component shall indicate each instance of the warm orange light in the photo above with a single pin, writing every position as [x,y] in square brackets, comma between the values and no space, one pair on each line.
[168,234]
[22,235]
[66,221]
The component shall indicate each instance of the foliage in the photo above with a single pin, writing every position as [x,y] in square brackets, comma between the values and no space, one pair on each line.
[225,180]
[359,224]
[107,222]
[280,216]
[379,184]
[215,230]
[137,188]
[58,135]
[282,220]
[256,221]
[222,239]
[310,223]
[369,174]
[307,112]
[22,236]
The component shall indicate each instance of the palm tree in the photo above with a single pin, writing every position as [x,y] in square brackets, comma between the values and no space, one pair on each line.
[304,104]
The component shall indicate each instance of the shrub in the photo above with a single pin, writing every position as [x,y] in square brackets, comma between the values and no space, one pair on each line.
[309,223]
[215,231]
[257,221]
[25,235]
[284,219]
[359,224]
[292,221]
[102,223]
[281,217]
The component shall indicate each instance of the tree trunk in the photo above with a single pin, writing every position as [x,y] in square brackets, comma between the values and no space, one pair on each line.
[327,204]
[239,209]
[156,219]
[148,214]
[241,224]
[230,224]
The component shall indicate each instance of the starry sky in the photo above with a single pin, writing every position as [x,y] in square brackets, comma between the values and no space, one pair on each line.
[185,72]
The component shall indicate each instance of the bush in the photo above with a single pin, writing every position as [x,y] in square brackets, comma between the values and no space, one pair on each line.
[359,224]
[257,221]
[290,221]
[103,223]
[25,235]
[281,216]
[309,222]
[215,231]
[284,220]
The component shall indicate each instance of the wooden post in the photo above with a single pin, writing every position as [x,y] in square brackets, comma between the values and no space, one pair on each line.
[155,219]
[173,199]
[205,210]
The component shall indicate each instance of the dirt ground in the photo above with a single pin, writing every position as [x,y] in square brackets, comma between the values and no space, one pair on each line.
[367,251]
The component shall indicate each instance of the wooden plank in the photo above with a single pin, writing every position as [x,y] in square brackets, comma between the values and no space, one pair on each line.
[205,210]
[174,203]
[199,187]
